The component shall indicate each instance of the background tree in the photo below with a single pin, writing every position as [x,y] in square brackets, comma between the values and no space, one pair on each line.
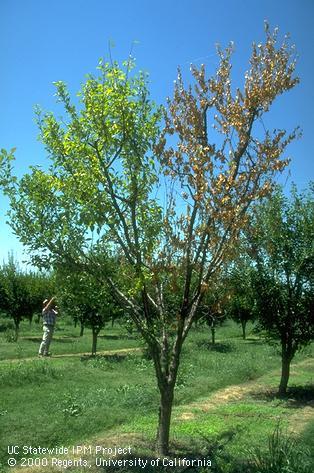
[282,244]
[85,299]
[101,190]
[22,292]
[40,286]
[3,293]
[240,305]
[211,310]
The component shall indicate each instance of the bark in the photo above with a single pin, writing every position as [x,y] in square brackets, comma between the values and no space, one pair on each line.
[165,410]
[285,373]
[243,324]
[212,325]
[82,330]
[17,328]
[94,344]
[213,330]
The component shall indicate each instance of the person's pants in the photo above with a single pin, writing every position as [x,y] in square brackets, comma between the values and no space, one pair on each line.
[47,337]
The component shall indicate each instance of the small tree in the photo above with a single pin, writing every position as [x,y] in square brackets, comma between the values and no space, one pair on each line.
[85,299]
[17,301]
[3,292]
[100,191]
[241,304]
[282,244]
[212,308]
[40,286]
[22,292]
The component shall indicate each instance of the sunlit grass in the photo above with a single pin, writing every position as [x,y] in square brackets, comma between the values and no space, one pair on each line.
[62,401]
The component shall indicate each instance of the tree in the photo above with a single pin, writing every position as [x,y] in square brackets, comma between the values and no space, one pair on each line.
[282,244]
[241,304]
[22,292]
[40,286]
[115,185]
[85,299]
[212,308]
[3,293]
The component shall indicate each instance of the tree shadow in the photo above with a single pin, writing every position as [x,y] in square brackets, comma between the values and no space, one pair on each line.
[183,457]
[32,339]
[254,341]
[55,340]
[115,358]
[295,398]
[65,340]
[151,464]
[218,347]
[117,337]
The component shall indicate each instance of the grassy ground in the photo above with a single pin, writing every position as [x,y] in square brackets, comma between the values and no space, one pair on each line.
[226,391]
[66,339]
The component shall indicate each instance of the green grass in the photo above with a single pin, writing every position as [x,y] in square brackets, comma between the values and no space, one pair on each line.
[64,401]
[66,339]
[307,440]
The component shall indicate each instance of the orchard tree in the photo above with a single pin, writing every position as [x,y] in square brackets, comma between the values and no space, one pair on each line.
[86,299]
[240,305]
[40,286]
[282,244]
[3,293]
[22,292]
[115,187]
[212,309]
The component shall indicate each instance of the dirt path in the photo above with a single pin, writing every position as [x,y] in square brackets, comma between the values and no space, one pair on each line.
[73,355]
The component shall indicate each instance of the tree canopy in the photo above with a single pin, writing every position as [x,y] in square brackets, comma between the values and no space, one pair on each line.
[22,292]
[281,242]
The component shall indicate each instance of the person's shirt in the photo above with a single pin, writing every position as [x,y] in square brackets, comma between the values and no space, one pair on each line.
[49,317]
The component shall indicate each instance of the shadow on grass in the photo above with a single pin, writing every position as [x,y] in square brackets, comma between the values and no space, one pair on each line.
[218,347]
[296,397]
[110,358]
[151,464]
[55,339]
[254,341]
[202,455]
[117,337]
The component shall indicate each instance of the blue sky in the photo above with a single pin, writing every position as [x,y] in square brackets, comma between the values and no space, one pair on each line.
[45,41]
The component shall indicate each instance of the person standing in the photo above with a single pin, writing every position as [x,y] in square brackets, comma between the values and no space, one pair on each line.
[49,314]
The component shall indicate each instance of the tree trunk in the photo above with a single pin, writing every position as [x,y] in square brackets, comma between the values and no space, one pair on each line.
[285,373]
[75,323]
[243,324]
[213,330]
[94,344]
[165,409]
[17,328]
[82,330]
